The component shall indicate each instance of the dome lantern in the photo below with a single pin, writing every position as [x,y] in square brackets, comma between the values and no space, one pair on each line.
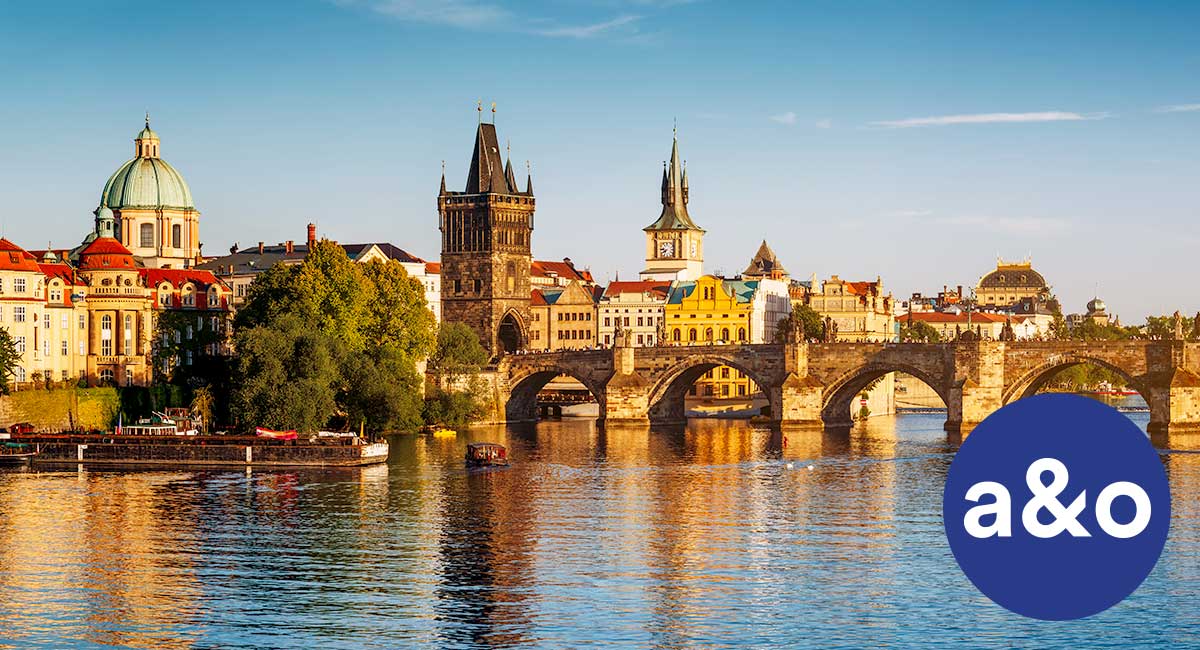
[146,142]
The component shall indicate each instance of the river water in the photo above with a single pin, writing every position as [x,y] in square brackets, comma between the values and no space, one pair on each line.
[721,534]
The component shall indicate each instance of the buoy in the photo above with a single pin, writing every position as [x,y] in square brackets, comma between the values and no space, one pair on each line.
[789,465]
[810,468]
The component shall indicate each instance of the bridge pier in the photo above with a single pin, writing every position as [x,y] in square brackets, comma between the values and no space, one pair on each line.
[796,402]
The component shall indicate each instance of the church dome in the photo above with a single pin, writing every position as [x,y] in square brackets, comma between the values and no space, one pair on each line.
[147,181]
[1095,305]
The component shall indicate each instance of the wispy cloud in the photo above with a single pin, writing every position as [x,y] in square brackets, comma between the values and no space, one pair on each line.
[479,15]
[589,31]
[824,124]
[788,118]
[1010,225]
[906,214]
[989,118]
[1178,108]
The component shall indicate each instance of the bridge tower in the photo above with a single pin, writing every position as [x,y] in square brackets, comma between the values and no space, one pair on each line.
[486,231]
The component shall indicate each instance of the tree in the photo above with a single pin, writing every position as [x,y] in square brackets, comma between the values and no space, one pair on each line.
[381,390]
[397,314]
[458,352]
[10,358]
[287,375]
[203,405]
[332,293]
[919,331]
[809,320]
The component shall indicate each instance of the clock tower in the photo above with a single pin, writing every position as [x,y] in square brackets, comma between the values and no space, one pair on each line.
[674,243]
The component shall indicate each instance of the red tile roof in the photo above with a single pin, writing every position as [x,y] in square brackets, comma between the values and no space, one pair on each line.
[859,288]
[545,269]
[178,277]
[15,258]
[105,246]
[433,268]
[944,317]
[656,287]
[58,270]
[537,299]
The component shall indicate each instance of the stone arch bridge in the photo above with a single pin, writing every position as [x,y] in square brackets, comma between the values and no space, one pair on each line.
[814,384]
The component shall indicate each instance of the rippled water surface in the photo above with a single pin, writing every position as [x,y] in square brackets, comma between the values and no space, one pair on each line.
[718,535]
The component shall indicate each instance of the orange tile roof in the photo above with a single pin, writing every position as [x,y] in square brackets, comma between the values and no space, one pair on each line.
[543,269]
[537,299]
[60,271]
[179,277]
[15,258]
[944,317]
[433,268]
[655,287]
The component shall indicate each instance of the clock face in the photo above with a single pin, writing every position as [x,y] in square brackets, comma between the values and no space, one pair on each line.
[666,249]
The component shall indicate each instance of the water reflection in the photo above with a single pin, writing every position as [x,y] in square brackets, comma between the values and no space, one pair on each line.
[716,534]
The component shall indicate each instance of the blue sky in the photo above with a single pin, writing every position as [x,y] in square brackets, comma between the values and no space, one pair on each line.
[910,140]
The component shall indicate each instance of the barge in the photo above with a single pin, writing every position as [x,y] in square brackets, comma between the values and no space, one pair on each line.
[200,450]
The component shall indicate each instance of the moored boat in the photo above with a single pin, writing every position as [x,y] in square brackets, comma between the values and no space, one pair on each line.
[486,454]
[444,433]
[16,453]
[263,432]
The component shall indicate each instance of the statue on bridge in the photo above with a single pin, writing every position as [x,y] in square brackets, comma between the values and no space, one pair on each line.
[1007,334]
[830,329]
[1178,319]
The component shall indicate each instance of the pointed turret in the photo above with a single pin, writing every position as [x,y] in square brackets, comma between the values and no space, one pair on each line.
[508,176]
[528,179]
[487,168]
[674,214]
[765,264]
[442,191]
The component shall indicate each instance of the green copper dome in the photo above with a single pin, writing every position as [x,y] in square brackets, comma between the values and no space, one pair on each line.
[147,181]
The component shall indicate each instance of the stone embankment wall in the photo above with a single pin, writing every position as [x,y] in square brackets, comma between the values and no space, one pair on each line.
[60,408]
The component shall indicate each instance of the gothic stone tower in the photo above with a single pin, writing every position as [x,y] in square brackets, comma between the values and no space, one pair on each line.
[486,232]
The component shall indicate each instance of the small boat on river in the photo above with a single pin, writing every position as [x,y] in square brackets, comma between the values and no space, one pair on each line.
[263,432]
[486,454]
[444,433]
[15,453]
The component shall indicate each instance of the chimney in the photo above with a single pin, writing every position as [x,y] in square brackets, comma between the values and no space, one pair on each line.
[260,248]
[290,247]
[312,234]
[960,293]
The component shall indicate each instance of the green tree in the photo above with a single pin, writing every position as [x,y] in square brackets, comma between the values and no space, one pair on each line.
[203,405]
[286,375]
[458,352]
[332,293]
[919,331]
[810,321]
[10,358]
[382,390]
[397,314]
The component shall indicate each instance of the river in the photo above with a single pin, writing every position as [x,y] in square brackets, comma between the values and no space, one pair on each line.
[721,534]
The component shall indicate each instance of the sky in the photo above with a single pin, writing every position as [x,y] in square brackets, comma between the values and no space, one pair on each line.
[914,141]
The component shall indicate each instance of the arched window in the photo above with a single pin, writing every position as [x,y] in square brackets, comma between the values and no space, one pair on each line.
[724,333]
[106,376]
[146,235]
[741,334]
[128,335]
[692,334]
[510,277]
[106,345]
[708,334]
[675,335]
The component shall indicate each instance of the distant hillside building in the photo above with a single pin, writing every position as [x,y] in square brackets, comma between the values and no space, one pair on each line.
[1011,284]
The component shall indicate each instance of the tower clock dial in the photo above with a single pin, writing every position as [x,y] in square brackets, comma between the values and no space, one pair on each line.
[666,248]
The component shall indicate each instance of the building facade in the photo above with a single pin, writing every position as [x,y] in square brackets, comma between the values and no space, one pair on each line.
[859,311]
[674,243]
[563,317]
[635,307]
[486,232]
[1010,284]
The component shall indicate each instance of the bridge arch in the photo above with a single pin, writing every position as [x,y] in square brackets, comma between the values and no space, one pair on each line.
[1033,380]
[840,394]
[524,387]
[667,395]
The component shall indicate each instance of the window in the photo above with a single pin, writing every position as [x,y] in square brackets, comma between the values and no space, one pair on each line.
[741,390]
[164,297]
[741,334]
[708,334]
[129,374]
[56,295]
[640,341]
[607,322]
[45,321]
[146,237]
[190,332]
[725,373]
[18,314]
[176,236]
[19,285]
[45,346]
[20,340]
[106,346]
[64,375]
[692,335]
[64,322]
[128,335]
[82,347]
[675,335]
[82,322]
[724,333]
[106,375]
[1,314]
[20,374]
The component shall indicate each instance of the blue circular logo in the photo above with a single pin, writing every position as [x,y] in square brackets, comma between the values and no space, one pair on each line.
[1056,507]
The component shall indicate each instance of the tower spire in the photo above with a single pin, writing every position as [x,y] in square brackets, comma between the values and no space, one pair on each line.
[442,192]
[528,178]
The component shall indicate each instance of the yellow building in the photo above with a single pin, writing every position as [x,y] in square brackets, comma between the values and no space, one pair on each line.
[859,311]
[563,318]
[1010,284]
[715,311]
